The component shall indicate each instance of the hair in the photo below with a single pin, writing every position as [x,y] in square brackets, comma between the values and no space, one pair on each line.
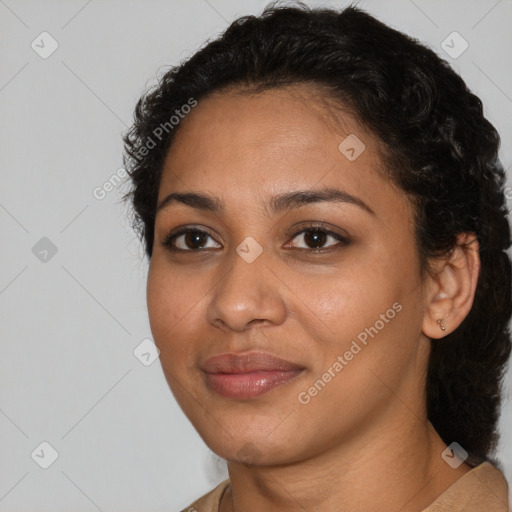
[439,149]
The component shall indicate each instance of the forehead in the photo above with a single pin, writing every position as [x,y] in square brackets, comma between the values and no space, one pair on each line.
[245,145]
[298,118]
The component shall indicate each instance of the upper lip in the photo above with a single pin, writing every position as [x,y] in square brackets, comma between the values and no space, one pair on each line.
[245,363]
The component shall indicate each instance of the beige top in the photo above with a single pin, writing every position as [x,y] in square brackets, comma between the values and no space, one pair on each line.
[483,489]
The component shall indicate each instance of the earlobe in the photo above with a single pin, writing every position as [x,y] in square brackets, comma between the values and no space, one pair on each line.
[452,287]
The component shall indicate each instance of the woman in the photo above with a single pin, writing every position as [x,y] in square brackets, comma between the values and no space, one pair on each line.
[322,204]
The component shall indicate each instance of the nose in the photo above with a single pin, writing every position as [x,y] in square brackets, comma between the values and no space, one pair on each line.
[248,294]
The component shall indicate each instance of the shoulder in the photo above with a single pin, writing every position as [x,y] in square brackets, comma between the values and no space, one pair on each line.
[210,501]
[482,488]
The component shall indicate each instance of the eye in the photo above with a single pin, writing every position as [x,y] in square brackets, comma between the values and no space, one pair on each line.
[316,238]
[188,239]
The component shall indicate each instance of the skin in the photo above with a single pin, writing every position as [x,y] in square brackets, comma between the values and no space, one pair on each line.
[363,443]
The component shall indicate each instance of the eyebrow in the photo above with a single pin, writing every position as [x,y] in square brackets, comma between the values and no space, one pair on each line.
[276,204]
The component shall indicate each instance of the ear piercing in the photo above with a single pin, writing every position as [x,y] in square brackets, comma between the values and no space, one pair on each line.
[440,322]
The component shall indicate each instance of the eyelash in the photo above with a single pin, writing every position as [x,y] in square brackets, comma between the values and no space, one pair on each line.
[343,241]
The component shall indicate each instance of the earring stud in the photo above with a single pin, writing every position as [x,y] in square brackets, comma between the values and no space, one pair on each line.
[440,322]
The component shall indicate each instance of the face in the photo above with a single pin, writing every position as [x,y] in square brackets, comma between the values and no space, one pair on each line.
[293,259]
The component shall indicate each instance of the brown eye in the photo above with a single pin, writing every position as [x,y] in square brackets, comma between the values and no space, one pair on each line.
[317,238]
[189,240]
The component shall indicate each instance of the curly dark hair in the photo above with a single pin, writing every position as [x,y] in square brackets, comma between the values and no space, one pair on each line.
[438,148]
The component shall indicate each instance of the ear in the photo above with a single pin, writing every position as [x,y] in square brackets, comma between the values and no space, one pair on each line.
[452,286]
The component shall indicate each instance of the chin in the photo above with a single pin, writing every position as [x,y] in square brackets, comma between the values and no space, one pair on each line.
[254,448]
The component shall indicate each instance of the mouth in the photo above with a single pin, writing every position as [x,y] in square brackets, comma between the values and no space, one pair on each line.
[244,376]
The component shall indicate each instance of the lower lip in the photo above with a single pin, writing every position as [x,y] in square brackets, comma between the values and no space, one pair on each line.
[249,385]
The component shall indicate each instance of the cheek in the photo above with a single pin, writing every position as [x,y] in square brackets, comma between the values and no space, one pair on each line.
[348,301]
[376,322]
[172,304]
[373,302]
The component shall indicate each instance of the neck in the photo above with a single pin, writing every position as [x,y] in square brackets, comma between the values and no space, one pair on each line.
[394,466]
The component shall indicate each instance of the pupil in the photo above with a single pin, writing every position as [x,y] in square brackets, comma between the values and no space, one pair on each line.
[315,238]
[195,239]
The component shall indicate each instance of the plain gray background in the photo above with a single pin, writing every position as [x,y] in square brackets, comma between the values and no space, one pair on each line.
[71,319]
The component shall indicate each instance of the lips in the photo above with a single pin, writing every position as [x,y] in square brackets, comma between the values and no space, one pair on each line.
[249,375]
[245,363]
